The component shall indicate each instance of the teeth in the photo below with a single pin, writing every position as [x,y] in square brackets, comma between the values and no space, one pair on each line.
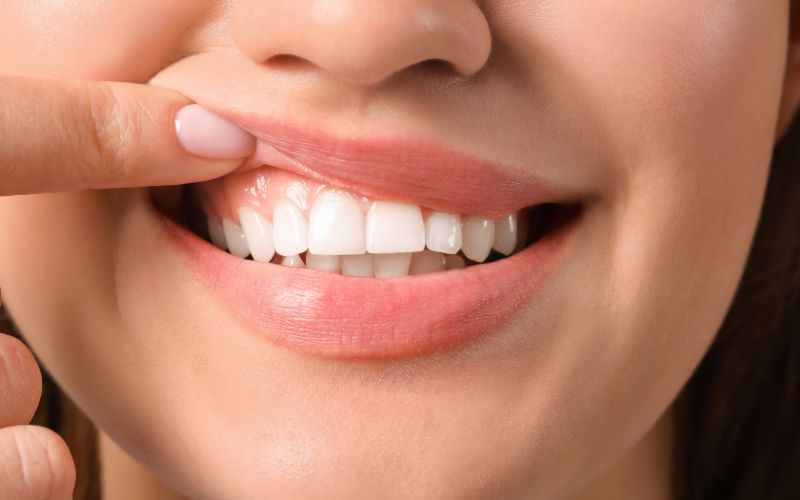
[427,262]
[357,265]
[506,234]
[455,262]
[443,232]
[258,234]
[237,244]
[289,229]
[478,236]
[329,263]
[394,228]
[336,225]
[292,261]
[391,265]
[217,234]
[391,239]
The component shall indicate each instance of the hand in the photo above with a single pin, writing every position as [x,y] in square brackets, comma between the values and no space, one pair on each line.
[71,135]
[34,461]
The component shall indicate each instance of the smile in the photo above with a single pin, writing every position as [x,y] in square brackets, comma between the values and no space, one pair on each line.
[301,253]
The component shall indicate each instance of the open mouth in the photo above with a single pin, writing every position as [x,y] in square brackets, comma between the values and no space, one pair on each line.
[369,247]
[280,218]
[330,273]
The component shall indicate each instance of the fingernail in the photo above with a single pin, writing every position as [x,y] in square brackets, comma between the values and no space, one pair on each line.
[207,134]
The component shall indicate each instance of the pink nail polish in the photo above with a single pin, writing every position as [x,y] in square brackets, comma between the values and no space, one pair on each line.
[207,134]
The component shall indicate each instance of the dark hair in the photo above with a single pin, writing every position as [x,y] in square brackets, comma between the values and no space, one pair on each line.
[737,428]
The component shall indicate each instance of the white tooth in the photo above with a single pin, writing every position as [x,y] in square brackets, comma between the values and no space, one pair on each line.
[455,262]
[330,263]
[478,235]
[258,233]
[394,227]
[292,261]
[427,262]
[443,232]
[217,234]
[237,243]
[336,225]
[390,265]
[505,234]
[357,265]
[289,229]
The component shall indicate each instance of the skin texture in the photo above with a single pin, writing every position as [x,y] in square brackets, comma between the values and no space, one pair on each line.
[665,111]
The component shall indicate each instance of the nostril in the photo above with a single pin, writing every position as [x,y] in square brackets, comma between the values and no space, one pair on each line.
[289,62]
[436,67]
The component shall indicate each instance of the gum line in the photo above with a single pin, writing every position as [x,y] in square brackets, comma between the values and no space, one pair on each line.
[247,202]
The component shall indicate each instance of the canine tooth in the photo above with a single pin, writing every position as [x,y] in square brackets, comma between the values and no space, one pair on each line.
[455,262]
[237,242]
[217,234]
[336,225]
[443,232]
[258,234]
[478,236]
[292,261]
[357,265]
[427,262]
[330,263]
[289,229]
[394,227]
[505,234]
[390,265]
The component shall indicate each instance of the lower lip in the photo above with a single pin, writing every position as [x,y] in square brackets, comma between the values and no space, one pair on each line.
[334,316]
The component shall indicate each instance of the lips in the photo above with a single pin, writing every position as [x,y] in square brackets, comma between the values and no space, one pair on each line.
[354,317]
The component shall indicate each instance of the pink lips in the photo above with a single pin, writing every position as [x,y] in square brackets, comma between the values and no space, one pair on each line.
[337,316]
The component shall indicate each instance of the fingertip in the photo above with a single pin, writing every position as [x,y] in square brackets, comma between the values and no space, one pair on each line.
[20,382]
[36,463]
[204,133]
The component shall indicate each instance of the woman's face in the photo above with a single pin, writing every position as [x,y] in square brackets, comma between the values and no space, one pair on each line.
[658,117]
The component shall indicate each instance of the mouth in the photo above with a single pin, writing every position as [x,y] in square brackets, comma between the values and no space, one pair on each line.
[307,248]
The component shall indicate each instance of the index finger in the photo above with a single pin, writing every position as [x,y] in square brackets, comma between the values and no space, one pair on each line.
[63,135]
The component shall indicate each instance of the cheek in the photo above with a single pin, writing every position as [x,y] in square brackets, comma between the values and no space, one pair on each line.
[55,260]
[682,97]
[687,93]
[94,39]
[670,78]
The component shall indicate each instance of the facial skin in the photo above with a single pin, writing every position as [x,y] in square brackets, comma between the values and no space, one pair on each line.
[665,111]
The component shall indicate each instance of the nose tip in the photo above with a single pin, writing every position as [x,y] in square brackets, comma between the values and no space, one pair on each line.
[364,41]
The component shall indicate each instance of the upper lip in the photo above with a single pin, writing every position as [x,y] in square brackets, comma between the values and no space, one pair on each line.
[407,169]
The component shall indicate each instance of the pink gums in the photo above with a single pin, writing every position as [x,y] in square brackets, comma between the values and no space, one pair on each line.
[261,189]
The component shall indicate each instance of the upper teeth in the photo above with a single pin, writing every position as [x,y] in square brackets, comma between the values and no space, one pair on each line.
[357,237]
[394,227]
[478,238]
[443,232]
[336,226]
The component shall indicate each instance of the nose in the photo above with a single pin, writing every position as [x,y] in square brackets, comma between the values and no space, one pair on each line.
[364,41]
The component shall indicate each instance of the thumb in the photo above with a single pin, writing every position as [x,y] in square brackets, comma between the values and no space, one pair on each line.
[35,463]
[64,135]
